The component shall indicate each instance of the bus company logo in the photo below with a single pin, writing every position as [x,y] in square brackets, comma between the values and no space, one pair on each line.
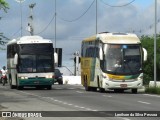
[6,114]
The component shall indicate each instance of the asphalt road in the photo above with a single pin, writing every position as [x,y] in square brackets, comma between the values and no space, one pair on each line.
[72,100]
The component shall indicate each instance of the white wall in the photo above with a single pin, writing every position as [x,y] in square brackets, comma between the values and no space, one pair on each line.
[71,79]
[151,84]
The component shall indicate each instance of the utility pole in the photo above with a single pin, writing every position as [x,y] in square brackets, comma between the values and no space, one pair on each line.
[20,1]
[76,63]
[21,18]
[30,24]
[155,48]
[55,22]
[96,16]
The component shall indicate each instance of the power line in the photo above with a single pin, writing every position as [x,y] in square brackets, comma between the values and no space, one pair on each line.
[147,28]
[65,19]
[77,17]
[16,32]
[117,5]
[47,25]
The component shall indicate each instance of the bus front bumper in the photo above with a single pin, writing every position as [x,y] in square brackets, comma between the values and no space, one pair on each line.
[123,85]
[35,82]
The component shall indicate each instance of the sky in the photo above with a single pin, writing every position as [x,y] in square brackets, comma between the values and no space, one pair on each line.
[76,20]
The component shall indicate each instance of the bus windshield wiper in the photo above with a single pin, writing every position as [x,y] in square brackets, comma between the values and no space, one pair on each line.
[128,67]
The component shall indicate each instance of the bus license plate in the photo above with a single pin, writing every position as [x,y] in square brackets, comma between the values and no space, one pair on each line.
[123,85]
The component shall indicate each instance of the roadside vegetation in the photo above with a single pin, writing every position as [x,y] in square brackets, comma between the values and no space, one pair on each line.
[4,6]
[153,90]
[148,66]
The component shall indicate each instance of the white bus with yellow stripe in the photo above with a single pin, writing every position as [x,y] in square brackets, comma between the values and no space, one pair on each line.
[30,62]
[112,61]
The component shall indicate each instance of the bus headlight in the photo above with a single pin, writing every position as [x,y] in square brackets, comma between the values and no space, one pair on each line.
[23,77]
[140,77]
[105,76]
[48,76]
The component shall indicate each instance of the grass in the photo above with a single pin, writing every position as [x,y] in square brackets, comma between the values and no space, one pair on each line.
[153,90]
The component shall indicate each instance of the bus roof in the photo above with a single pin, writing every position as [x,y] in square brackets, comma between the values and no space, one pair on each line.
[29,40]
[115,38]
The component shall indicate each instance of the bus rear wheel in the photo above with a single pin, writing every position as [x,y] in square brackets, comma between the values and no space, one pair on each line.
[87,88]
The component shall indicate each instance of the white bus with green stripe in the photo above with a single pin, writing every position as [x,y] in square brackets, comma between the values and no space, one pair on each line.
[30,62]
[112,61]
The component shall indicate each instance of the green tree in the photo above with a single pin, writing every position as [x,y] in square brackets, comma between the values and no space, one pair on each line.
[3,6]
[148,67]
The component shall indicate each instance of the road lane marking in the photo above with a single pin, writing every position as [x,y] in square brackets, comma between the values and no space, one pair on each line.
[82,88]
[76,106]
[70,104]
[62,102]
[59,88]
[65,103]
[95,110]
[144,102]
[82,107]
[152,95]
[79,92]
[71,88]
[106,95]
[30,94]
[88,109]
[125,118]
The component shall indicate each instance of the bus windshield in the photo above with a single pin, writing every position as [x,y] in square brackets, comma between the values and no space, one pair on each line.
[35,63]
[36,48]
[122,59]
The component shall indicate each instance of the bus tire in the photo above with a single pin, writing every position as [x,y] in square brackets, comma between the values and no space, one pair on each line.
[19,87]
[12,87]
[94,89]
[49,87]
[134,91]
[10,83]
[60,82]
[87,88]
[102,90]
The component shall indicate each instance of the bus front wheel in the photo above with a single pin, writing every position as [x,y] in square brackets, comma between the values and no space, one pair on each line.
[134,91]
[19,87]
[10,83]
[49,87]
[102,90]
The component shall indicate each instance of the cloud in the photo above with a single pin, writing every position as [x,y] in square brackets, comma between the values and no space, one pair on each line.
[134,17]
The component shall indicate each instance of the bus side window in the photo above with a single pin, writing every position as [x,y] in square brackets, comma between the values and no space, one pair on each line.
[97,52]
[10,51]
[92,52]
[82,50]
[89,52]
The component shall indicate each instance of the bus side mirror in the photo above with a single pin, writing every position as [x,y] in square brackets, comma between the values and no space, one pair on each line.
[144,54]
[100,54]
[15,59]
[55,58]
